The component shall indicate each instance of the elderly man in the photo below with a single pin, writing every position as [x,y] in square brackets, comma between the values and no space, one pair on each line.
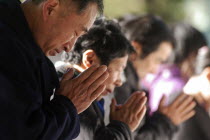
[28,33]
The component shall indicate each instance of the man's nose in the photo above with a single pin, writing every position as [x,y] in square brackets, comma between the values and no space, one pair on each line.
[118,83]
[70,44]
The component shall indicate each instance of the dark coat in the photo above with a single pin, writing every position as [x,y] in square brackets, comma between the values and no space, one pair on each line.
[28,80]
[94,128]
[196,128]
[155,127]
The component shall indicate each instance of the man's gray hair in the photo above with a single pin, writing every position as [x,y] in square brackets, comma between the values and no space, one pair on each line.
[82,4]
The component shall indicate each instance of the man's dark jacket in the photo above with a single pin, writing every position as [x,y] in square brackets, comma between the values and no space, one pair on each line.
[155,127]
[27,81]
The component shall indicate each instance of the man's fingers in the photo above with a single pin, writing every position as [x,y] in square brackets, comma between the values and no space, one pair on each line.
[188,108]
[84,89]
[188,116]
[162,101]
[97,92]
[68,75]
[185,103]
[94,96]
[92,87]
[84,75]
[179,99]
[102,70]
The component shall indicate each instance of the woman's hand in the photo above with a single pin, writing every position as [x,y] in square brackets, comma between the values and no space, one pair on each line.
[180,110]
[132,112]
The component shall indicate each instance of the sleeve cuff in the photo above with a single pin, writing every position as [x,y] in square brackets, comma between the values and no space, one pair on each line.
[121,125]
[161,117]
[66,102]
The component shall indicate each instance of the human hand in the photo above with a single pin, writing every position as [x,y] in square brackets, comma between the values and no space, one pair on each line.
[180,110]
[85,88]
[199,87]
[132,112]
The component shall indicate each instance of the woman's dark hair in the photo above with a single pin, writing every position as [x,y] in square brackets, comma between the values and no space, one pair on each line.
[105,39]
[149,31]
[188,41]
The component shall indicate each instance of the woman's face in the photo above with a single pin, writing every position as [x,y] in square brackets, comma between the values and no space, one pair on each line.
[115,69]
[151,63]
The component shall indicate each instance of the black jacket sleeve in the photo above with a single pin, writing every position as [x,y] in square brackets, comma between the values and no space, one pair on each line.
[156,127]
[115,130]
[25,112]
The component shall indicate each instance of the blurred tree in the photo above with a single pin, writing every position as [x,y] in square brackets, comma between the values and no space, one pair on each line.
[198,14]
[118,8]
[169,10]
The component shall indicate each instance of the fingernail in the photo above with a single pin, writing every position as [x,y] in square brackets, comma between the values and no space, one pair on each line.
[143,93]
[103,68]
[145,98]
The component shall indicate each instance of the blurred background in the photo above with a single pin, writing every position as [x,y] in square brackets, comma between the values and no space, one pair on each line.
[195,12]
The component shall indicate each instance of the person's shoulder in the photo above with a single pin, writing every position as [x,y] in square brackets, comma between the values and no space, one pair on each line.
[12,54]
[9,45]
[6,32]
[8,41]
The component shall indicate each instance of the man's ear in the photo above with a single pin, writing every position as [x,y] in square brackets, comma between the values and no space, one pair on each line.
[207,71]
[208,76]
[89,58]
[138,48]
[49,7]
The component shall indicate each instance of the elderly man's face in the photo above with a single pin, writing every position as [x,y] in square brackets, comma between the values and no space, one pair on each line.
[63,31]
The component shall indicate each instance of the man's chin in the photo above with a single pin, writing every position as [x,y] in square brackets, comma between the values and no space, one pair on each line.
[51,53]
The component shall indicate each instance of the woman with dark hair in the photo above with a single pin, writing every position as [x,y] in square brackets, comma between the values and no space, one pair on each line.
[105,44]
[181,67]
[153,44]
[198,87]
